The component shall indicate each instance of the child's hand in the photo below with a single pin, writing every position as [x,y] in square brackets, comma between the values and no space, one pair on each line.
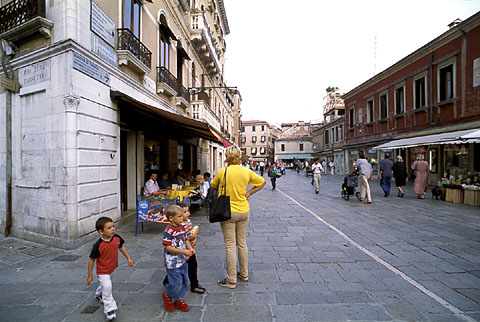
[194,242]
[130,262]
[89,280]
[189,252]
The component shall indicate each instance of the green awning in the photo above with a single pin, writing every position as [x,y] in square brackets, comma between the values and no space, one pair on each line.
[297,156]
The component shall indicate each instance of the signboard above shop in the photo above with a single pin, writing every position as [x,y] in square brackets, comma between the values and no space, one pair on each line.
[102,24]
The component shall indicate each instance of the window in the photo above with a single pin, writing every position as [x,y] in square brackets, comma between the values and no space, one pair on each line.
[383,106]
[400,100]
[282,147]
[254,150]
[164,46]
[131,16]
[446,82]
[341,131]
[243,128]
[263,138]
[336,134]
[327,139]
[244,139]
[352,117]
[253,128]
[370,111]
[420,94]
[254,138]
[300,147]
[262,150]
[433,160]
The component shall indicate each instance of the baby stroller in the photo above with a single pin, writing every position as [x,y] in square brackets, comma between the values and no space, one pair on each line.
[350,182]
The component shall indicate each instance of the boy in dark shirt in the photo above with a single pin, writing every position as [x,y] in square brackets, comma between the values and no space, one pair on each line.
[105,252]
[177,249]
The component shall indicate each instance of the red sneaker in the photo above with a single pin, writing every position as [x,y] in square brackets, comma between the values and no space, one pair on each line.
[167,302]
[181,305]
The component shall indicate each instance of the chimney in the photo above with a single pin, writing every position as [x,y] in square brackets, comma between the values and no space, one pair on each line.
[454,23]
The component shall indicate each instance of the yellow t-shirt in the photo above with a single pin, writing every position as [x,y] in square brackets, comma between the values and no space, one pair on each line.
[238,178]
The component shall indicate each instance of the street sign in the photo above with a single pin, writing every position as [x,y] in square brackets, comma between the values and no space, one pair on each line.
[89,68]
[9,84]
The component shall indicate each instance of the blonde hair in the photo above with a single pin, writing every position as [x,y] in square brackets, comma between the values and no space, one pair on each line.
[172,210]
[233,154]
[420,156]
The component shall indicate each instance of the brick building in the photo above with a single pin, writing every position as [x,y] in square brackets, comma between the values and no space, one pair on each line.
[429,98]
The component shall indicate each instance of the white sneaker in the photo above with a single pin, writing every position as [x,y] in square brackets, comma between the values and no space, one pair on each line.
[111,315]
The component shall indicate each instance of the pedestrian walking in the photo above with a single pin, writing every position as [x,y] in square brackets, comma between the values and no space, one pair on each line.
[365,174]
[105,253]
[421,175]
[400,175]
[262,168]
[317,170]
[273,174]
[235,229]
[386,174]
[332,167]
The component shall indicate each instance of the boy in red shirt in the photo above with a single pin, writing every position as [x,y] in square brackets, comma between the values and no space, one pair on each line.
[105,252]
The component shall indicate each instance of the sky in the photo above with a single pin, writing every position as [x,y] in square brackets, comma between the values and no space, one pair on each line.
[282,55]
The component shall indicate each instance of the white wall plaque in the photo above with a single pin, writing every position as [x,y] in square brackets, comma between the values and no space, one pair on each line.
[34,74]
[149,84]
[102,25]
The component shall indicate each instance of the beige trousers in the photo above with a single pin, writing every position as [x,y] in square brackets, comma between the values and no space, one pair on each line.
[364,187]
[235,236]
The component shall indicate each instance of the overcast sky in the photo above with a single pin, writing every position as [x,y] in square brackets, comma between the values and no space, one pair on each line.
[283,54]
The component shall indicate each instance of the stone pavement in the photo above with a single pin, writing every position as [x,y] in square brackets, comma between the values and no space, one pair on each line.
[311,258]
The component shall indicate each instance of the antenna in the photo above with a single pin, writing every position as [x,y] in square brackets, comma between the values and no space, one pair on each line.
[375,57]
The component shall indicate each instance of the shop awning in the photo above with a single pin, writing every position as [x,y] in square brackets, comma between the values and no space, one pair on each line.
[291,156]
[457,137]
[195,127]
[225,142]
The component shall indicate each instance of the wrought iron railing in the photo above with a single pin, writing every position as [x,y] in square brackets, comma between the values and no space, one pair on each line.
[164,76]
[183,92]
[128,41]
[18,12]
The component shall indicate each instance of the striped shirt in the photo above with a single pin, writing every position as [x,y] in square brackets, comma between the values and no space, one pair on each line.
[188,227]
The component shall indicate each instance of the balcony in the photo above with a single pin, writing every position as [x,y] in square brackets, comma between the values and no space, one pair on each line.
[202,40]
[22,18]
[201,111]
[183,97]
[131,52]
[166,82]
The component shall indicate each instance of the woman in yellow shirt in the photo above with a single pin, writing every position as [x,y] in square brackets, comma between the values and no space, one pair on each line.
[235,230]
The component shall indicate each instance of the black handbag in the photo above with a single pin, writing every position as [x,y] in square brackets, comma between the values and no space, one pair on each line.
[220,206]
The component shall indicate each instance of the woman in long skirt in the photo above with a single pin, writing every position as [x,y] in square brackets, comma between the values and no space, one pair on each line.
[421,175]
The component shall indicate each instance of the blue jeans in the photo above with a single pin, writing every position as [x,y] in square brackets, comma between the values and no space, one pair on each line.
[386,184]
[177,282]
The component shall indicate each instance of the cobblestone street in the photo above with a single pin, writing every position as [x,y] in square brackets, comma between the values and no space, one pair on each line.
[311,257]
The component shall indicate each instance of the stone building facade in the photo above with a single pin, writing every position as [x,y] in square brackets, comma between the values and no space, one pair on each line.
[108,91]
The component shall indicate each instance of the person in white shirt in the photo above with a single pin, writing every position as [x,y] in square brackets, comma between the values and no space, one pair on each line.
[365,174]
[262,168]
[332,167]
[317,170]
[151,187]
[324,166]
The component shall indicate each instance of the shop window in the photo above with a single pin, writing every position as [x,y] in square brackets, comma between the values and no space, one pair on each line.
[433,160]
[300,147]
[446,82]
[420,93]
[400,100]
[282,147]
[370,109]
[456,161]
[383,106]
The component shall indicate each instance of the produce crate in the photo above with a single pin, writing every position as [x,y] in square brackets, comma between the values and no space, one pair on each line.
[471,197]
[454,195]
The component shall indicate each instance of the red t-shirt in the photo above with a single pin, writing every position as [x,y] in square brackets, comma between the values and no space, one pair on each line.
[106,254]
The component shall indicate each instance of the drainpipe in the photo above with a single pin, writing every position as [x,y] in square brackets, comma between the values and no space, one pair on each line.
[6,51]
[431,89]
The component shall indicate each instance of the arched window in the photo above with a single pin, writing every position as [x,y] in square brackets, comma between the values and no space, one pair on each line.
[164,44]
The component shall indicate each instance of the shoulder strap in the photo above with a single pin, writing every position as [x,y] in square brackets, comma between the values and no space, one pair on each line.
[225,182]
